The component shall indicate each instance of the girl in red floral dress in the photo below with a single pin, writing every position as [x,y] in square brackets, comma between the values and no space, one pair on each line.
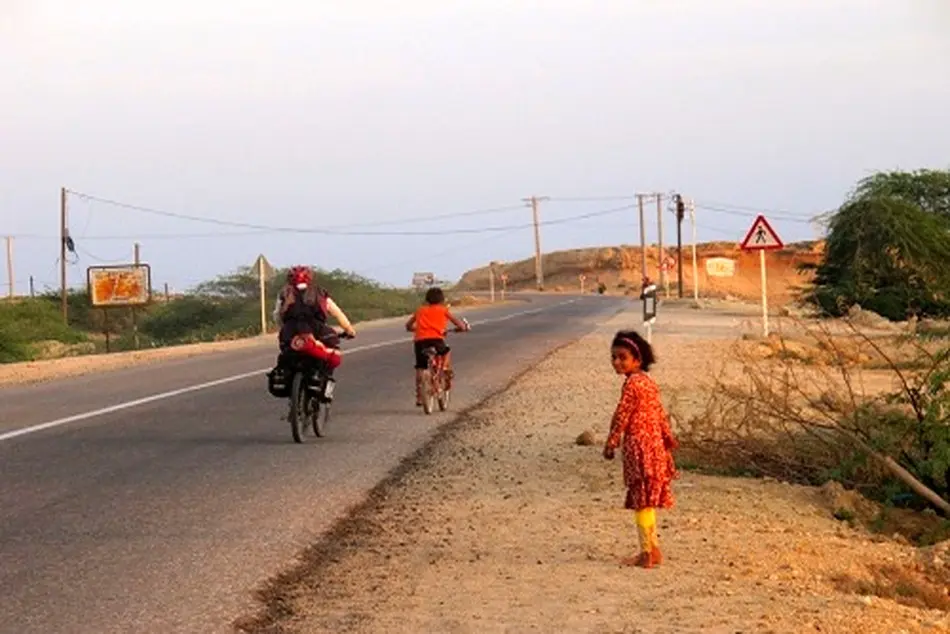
[642,424]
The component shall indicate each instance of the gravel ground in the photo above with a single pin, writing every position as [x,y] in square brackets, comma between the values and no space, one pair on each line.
[504,524]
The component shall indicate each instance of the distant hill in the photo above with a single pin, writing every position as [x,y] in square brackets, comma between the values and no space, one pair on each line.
[619,269]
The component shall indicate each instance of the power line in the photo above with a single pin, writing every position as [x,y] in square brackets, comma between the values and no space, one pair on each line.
[332,229]
[756,210]
[418,219]
[708,205]
[584,199]
[752,214]
[430,255]
[96,258]
[340,232]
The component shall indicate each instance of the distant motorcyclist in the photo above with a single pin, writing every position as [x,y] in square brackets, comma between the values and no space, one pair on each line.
[302,311]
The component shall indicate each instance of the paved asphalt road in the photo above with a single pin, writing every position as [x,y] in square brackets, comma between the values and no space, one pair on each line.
[163,516]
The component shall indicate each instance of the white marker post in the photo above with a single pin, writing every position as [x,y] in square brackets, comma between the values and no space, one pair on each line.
[582,278]
[263,290]
[762,237]
[264,272]
[491,282]
[648,296]
[692,219]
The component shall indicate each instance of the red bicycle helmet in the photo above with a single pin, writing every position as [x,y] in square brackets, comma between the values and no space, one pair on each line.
[300,276]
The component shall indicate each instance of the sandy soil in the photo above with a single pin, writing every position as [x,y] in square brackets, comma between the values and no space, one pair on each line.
[504,524]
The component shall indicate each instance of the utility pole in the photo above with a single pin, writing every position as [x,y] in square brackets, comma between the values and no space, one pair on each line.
[10,276]
[692,219]
[135,322]
[538,268]
[643,240]
[680,212]
[32,289]
[167,297]
[660,255]
[63,235]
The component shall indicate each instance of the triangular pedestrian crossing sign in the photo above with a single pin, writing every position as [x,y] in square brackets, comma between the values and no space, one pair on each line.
[761,237]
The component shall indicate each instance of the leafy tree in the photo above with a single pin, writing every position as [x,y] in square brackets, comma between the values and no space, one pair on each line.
[927,189]
[886,253]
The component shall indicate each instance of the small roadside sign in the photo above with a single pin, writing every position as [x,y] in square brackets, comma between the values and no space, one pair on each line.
[720,267]
[761,237]
[423,280]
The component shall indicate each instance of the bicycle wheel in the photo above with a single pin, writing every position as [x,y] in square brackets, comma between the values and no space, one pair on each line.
[444,392]
[428,393]
[298,407]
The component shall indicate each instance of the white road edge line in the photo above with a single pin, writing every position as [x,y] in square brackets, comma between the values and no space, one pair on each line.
[32,429]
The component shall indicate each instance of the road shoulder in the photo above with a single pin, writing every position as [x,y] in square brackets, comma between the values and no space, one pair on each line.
[503,522]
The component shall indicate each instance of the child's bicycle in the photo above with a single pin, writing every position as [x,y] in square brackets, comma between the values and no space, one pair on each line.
[435,379]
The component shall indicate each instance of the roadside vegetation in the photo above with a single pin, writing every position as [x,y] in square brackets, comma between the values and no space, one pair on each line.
[851,393]
[227,307]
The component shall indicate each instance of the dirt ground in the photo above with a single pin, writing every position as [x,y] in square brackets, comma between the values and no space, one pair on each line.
[505,524]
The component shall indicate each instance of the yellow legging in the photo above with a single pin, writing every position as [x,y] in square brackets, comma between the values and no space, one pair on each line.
[646,527]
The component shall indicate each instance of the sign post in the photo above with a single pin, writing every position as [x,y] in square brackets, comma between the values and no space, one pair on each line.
[583,279]
[504,285]
[762,237]
[114,286]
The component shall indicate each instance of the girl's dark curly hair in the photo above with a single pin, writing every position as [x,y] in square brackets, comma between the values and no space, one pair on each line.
[632,341]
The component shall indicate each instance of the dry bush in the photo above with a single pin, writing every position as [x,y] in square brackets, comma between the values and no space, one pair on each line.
[803,406]
[908,585]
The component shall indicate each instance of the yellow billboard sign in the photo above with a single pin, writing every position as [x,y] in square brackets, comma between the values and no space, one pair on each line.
[128,285]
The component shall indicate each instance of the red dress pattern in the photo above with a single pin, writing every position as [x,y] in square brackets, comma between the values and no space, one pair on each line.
[642,424]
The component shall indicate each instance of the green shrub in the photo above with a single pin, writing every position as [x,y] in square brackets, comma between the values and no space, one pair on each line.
[37,320]
[23,323]
[12,348]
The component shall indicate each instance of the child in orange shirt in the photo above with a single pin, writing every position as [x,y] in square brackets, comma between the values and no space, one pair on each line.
[430,323]
[648,442]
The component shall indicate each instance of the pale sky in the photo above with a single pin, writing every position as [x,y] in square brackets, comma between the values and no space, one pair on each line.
[320,113]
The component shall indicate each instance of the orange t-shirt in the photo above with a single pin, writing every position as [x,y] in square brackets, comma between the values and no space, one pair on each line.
[432,320]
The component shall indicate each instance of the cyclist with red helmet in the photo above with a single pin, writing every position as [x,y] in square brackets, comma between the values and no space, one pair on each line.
[302,311]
